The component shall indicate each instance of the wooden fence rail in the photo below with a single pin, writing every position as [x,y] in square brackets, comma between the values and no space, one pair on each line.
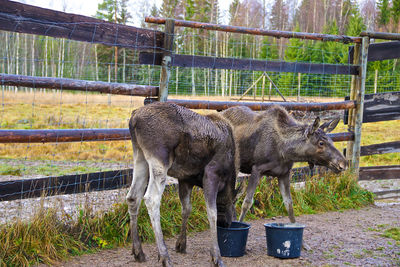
[85,135]
[109,180]
[381,35]
[221,105]
[256,31]
[379,107]
[18,17]
[78,85]
[192,61]
[61,135]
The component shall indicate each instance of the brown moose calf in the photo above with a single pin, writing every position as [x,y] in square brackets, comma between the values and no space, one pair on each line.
[272,140]
[197,150]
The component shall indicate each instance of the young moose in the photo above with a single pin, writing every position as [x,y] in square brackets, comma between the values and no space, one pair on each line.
[197,150]
[271,141]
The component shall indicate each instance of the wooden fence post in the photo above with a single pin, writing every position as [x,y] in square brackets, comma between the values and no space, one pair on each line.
[358,111]
[166,59]
[353,89]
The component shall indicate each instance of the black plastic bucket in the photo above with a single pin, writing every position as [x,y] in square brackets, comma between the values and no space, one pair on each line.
[284,240]
[232,241]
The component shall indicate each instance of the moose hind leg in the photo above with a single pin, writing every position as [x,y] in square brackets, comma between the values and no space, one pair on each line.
[284,186]
[210,188]
[134,198]
[152,198]
[185,191]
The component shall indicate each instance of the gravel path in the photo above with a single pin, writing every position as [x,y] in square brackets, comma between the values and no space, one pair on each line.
[352,237]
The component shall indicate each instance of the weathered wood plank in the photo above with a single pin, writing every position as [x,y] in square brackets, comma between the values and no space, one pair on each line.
[85,135]
[379,51]
[365,173]
[384,148]
[78,85]
[380,172]
[108,180]
[69,135]
[18,17]
[381,35]
[62,185]
[221,105]
[191,61]
[380,107]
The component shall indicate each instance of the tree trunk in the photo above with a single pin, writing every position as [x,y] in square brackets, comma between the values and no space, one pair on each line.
[193,74]
[82,61]
[123,64]
[96,62]
[33,59]
[44,67]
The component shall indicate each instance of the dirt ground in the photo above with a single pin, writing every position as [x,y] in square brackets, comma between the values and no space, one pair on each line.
[352,237]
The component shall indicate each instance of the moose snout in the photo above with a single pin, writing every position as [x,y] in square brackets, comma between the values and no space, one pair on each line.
[343,165]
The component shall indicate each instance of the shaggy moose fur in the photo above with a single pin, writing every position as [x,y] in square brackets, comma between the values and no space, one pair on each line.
[197,150]
[272,140]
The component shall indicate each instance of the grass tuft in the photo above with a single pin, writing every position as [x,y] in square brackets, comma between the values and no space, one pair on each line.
[320,194]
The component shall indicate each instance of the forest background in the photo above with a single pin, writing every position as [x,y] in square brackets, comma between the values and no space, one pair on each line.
[49,57]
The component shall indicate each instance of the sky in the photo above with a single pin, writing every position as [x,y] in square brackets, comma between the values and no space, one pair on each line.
[89,7]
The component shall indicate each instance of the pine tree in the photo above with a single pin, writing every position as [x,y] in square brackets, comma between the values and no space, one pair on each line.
[384,13]
[279,16]
[396,15]
[168,8]
[356,25]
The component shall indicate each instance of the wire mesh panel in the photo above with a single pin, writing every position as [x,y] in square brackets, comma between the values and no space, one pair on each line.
[86,53]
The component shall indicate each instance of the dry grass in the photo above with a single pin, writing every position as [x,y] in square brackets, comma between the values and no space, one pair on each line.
[67,111]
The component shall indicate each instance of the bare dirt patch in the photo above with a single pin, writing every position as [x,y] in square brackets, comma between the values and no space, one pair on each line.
[352,237]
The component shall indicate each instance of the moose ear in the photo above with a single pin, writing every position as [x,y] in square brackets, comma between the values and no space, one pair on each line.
[330,125]
[312,128]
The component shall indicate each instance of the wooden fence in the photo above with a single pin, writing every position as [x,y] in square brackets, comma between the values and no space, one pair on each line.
[156,48]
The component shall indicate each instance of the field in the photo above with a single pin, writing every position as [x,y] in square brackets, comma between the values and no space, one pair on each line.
[55,110]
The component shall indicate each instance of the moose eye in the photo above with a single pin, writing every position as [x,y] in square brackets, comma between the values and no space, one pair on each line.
[321,143]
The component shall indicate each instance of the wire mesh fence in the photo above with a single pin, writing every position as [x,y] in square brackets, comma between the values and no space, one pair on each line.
[115,59]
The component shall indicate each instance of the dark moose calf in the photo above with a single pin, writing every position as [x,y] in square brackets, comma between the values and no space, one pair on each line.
[272,140]
[197,150]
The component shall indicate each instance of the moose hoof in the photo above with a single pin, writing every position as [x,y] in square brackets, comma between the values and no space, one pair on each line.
[139,257]
[166,261]
[306,247]
[217,263]
[180,246]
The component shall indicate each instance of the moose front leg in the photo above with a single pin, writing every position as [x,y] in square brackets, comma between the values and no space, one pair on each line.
[251,189]
[284,186]
[185,191]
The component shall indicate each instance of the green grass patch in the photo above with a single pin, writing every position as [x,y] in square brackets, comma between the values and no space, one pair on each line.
[320,194]
[10,170]
[45,169]
[47,238]
[393,232]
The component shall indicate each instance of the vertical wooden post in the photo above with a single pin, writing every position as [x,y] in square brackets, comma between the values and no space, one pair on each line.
[358,111]
[355,82]
[263,86]
[270,89]
[298,85]
[166,59]
[376,81]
